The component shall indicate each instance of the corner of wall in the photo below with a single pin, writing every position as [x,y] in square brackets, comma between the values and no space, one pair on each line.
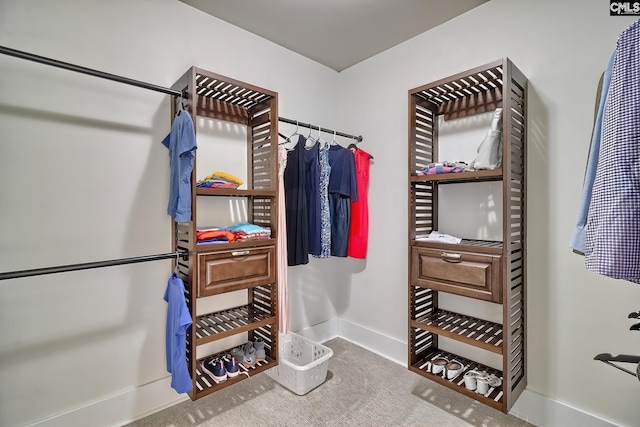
[322,332]
[383,345]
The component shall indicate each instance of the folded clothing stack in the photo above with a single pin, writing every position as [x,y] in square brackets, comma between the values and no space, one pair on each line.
[235,233]
[246,231]
[444,167]
[214,235]
[219,180]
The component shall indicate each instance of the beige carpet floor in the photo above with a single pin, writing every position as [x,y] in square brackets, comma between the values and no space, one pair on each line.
[362,389]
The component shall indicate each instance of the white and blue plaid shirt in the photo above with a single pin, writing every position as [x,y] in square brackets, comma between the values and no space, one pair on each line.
[612,244]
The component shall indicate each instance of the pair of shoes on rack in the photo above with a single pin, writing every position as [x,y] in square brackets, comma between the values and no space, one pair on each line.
[250,352]
[221,368]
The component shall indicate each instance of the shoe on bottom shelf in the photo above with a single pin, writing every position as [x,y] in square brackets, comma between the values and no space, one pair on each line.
[258,344]
[248,355]
[237,353]
[231,366]
[215,368]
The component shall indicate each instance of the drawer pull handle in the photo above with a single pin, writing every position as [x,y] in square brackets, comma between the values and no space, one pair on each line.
[239,253]
[449,257]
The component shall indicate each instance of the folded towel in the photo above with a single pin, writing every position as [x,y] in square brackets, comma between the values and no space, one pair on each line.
[436,236]
[224,176]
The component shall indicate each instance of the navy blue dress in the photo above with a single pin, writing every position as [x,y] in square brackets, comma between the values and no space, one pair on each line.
[296,206]
[342,191]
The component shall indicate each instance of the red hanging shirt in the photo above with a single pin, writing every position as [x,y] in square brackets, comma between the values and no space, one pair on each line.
[359,225]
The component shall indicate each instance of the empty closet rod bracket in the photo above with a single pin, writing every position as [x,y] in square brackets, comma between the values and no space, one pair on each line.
[79,69]
[310,126]
[89,265]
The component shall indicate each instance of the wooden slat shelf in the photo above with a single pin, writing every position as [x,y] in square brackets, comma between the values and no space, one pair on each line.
[231,92]
[472,82]
[452,178]
[233,192]
[222,324]
[466,329]
[492,398]
[208,247]
[206,385]
[488,246]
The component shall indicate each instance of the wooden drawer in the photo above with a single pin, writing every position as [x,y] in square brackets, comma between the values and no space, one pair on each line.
[227,271]
[471,274]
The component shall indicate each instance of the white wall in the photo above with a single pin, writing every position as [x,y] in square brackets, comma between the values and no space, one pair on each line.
[563,47]
[83,177]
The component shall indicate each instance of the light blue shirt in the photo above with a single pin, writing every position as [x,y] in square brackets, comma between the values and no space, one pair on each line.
[178,320]
[580,233]
[181,143]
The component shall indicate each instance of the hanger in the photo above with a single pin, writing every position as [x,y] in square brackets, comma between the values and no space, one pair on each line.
[310,140]
[334,138]
[294,132]
[288,138]
[608,358]
[176,269]
[321,141]
[181,105]
[634,315]
[354,147]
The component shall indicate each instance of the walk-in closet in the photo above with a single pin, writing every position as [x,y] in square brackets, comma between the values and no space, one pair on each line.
[284,213]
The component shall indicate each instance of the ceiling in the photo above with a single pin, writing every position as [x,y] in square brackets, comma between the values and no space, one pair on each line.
[336,33]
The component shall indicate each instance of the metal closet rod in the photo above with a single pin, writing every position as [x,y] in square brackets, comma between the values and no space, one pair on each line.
[89,71]
[84,70]
[89,265]
[310,126]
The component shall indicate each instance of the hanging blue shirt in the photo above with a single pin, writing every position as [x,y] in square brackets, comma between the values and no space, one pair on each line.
[579,234]
[343,172]
[178,320]
[181,143]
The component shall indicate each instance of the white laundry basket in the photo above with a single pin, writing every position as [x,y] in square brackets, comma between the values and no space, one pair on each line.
[303,364]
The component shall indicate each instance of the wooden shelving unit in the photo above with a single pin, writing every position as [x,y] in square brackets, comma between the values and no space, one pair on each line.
[493,271]
[248,266]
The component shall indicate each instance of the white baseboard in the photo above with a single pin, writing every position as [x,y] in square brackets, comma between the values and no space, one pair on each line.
[120,409]
[385,346]
[322,332]
[134,404]
[543,411]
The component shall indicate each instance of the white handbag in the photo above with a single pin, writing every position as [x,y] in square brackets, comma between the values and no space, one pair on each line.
[490,150]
